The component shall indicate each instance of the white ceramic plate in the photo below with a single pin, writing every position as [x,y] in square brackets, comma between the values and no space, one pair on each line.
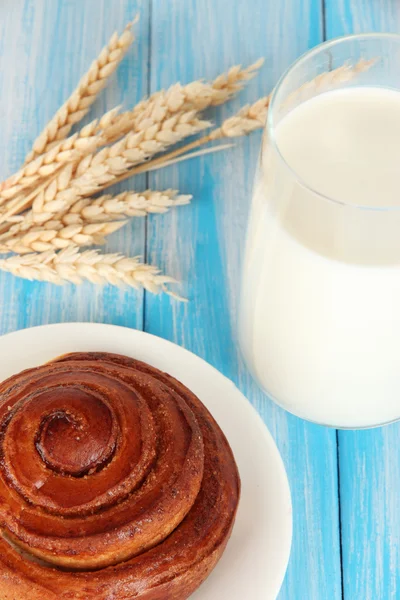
[254,563]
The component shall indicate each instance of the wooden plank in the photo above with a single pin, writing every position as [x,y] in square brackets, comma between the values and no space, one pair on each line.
[369,460]
[343,17]
[45,47]
[202,245]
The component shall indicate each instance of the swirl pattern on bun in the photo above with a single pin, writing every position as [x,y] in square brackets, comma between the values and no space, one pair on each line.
[115,482]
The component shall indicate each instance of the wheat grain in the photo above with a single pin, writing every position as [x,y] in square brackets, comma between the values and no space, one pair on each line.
[72,266]
[89,87]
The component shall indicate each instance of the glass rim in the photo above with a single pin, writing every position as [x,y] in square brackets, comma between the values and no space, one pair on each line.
[270,124]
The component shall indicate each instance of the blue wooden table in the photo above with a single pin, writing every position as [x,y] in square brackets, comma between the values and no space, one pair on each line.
[345,485]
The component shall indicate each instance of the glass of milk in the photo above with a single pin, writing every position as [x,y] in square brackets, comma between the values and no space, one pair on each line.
[320,301]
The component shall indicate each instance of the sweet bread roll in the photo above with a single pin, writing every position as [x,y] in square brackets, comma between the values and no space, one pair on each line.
[115,483]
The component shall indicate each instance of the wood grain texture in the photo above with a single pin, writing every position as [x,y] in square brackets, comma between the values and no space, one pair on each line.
[369,460]
[202,244]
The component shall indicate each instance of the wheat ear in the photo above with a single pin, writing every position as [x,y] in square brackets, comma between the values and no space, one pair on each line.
[196,95]
[156,109]
[248,119]
[56,236]
[324,81]
[73,266]
[89,87]
[127,204]
[88,222]
[44,166]
[99,170]
[103,168]
[254,116]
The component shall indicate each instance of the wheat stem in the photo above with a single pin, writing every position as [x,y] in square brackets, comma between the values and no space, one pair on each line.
[190,155]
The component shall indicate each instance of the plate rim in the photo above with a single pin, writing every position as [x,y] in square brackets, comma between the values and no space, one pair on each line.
[287,534]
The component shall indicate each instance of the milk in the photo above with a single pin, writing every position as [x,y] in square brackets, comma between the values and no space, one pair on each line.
[320,309]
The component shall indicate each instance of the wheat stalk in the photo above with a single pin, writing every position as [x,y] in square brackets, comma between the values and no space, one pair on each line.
[196,95]
[187,156]
[111,165]
[223,88]
[59,181]
[127,204]
[55,186]
[327,79]
[89,221]
[89,87]
[42,170]
[56,236]
[147,115]
[254,116]
[199,95]
[102,169]
[248,119]
[70,150]
[242,123]
[144,142]
[73,266]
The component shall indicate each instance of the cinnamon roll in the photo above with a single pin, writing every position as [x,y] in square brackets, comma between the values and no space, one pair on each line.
[115,483]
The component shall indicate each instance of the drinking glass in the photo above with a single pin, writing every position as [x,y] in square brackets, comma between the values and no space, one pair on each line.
[319,323]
